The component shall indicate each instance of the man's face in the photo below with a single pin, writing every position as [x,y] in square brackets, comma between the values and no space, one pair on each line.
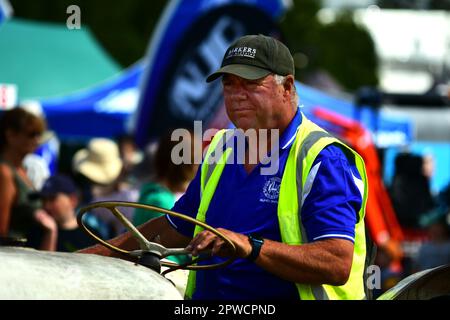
[257,104]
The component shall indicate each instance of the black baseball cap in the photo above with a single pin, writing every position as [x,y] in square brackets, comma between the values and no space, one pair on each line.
[57,184]
[255,56]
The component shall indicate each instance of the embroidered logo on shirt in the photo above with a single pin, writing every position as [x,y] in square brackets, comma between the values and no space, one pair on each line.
[271,190]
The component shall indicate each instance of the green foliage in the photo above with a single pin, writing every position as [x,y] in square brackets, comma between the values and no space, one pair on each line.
[301,29]
[347,52]
[342,48]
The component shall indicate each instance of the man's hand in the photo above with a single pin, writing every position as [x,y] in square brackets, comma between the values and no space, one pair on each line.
[206,240]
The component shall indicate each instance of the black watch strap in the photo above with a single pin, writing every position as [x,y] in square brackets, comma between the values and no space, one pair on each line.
[256,242]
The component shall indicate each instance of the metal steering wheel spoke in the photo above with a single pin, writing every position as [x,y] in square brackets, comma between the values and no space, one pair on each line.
[143,242]
[147,246]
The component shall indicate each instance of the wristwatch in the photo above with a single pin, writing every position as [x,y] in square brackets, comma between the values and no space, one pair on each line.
[256,242]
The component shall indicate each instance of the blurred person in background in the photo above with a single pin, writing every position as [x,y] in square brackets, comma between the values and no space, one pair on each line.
[410,190]
[20,133]
[144,171]
[100,167]
[169,183]
[131,156]
[57,228]
[43,162]
[435,251]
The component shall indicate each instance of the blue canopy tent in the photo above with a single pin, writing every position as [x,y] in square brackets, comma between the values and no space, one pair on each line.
[388,130]
[104,110]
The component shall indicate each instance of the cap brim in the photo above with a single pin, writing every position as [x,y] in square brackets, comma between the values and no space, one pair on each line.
[240,70]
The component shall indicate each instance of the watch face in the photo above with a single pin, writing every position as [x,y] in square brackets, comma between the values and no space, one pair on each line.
[257,238]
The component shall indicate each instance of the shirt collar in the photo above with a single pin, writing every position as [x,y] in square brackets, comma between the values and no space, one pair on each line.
[288,136]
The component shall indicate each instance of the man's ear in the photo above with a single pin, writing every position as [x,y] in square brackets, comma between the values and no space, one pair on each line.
[288,82]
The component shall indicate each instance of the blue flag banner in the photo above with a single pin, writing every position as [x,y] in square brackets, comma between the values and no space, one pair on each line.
[188,45]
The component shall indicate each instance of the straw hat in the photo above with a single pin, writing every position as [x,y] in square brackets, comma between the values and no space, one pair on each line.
[100,161]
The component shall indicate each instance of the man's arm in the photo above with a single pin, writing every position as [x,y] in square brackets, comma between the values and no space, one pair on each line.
[158,228]
[325,261]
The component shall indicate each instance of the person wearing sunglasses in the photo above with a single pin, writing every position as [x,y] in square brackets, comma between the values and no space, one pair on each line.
[20,133]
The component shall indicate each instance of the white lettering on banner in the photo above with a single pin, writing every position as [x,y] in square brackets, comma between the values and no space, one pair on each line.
[190,95]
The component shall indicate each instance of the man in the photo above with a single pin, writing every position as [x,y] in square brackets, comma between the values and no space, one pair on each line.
[57,228]
[298,231]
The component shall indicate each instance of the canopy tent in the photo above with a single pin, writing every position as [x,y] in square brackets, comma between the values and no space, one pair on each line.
[104,110]
[45,59]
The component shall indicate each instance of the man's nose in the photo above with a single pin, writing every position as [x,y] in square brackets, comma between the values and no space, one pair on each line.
[238,92]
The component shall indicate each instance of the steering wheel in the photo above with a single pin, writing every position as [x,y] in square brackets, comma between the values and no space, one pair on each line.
[151,250]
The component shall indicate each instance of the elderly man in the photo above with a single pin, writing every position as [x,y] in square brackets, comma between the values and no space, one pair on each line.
[299,229]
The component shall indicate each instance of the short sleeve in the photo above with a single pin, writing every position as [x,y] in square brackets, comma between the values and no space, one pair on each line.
[330,209]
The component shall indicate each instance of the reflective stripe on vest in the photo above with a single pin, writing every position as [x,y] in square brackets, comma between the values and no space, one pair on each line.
[309,141]
[212,168]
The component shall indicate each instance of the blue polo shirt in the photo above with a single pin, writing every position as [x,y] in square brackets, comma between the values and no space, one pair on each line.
[247,203]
